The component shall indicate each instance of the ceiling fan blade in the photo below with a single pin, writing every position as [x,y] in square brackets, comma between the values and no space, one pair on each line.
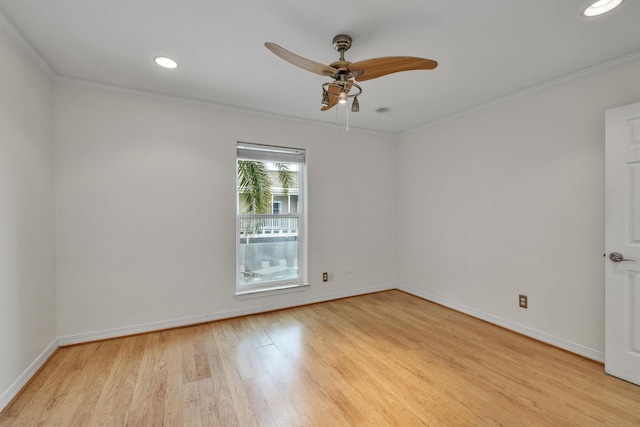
[299,61]
[334,91]
[378,67]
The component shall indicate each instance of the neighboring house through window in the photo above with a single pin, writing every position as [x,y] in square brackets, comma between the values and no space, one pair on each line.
[270,218]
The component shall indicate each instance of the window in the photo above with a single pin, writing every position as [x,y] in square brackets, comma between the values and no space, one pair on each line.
[270,218]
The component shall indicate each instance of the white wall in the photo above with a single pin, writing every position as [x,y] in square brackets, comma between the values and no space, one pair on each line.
[509,199]
[27,257]
[145,203]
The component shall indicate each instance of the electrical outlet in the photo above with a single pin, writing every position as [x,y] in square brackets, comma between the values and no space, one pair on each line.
[325,277]
[331,277]
[524,301]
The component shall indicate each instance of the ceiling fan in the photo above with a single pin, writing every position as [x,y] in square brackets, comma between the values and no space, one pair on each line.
[344,72]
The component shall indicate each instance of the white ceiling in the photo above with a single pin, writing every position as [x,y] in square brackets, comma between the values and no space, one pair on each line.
[486,49]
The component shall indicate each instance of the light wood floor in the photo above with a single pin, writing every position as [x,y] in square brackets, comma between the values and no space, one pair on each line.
[375,360]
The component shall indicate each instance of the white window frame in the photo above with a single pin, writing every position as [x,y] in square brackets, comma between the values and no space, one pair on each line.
[269,153]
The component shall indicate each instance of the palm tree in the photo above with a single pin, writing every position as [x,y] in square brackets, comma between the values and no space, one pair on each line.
[255,183]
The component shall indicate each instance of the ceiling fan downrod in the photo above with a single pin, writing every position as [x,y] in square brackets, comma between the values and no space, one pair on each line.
[342,43]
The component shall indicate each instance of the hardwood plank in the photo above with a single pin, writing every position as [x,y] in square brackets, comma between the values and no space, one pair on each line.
[97,371]
[232,364]
[115,400]
[218,399]
[191,404]
[194,354]
[172,347]
[381,359]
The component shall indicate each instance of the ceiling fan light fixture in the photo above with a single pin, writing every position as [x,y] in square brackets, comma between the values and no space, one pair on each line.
[342,97]
[325,98]
[601,6]
[355,105]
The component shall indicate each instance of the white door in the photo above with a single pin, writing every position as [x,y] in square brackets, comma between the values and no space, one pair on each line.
[622,272]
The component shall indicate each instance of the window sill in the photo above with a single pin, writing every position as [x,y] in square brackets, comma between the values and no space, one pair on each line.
[265,292]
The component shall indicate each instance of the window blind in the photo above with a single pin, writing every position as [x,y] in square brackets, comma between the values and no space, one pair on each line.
[270,153]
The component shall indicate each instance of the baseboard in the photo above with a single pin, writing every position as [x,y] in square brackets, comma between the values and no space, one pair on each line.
[572,347]
[194,320]
[12,392]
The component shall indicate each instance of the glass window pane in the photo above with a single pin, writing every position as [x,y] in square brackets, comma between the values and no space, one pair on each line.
[268,217]
[268,250]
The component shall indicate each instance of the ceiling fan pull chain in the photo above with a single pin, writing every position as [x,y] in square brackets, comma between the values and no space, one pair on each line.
[347,108]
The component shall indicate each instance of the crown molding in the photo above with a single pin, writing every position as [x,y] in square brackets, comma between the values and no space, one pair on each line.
[614,63]
[12,31]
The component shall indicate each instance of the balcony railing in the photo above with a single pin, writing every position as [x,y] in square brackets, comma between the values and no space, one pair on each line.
[257,226]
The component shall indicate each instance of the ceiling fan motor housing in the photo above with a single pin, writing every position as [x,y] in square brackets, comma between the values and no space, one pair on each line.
[341,42]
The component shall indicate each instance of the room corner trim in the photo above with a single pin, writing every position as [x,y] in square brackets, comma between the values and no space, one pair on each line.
[8,395]
[7,26]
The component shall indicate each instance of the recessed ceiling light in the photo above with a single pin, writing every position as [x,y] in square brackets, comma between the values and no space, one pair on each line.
[383,110]
[601,6]
[165,62]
